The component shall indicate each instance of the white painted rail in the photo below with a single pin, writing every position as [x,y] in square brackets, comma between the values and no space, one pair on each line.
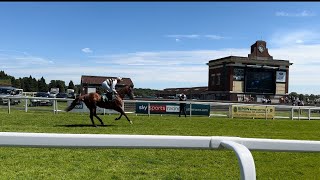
[241,146]
[289,108]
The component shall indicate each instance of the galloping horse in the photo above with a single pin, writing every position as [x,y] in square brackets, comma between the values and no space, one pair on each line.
[92,100]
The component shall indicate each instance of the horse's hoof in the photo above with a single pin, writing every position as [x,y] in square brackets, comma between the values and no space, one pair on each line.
[116,119]
[131,122]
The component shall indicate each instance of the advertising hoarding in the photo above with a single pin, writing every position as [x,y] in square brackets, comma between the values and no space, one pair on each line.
[81,107]
[172,108]
[253,111]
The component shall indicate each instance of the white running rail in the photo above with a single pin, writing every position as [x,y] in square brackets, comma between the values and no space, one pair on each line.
[241,146]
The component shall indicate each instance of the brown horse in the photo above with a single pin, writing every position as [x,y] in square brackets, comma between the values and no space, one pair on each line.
[92,100]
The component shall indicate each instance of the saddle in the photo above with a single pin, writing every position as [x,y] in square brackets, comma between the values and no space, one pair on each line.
[107,97]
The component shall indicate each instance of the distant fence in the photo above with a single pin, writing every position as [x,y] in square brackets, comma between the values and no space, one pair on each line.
[310,112]
[241,146]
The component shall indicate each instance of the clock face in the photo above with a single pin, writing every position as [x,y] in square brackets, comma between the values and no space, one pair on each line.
[261,48]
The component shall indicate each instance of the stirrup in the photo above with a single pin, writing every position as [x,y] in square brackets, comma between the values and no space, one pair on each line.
[113,97]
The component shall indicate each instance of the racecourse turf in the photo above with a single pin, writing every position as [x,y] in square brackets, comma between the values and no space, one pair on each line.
[100,163]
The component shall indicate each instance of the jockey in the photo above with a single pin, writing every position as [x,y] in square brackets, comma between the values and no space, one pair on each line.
[110,85]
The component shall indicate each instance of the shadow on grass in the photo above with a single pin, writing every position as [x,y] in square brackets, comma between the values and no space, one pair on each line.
[83,125]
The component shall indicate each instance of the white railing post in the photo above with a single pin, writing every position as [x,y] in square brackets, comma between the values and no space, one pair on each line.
[149,109]
[230,111]
[266,113]
[54,107]
[57,108]
[26,105]
[9,105]
[309,114]
[292,111]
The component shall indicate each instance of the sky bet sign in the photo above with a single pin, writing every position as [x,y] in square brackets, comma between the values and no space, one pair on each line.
[172,108]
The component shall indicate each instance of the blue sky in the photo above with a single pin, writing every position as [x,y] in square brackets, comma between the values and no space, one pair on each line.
[157,44]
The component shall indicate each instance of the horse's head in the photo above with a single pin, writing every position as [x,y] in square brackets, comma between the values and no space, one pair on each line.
[130,91]
[126,90]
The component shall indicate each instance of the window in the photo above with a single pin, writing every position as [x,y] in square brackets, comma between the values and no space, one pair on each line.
[238,74]
[213,79]
[218,79]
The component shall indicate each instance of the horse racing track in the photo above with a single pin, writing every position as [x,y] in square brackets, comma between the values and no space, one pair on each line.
[116,163]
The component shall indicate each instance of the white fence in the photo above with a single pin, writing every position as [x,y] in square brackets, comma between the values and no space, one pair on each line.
[241,146]
[292,109]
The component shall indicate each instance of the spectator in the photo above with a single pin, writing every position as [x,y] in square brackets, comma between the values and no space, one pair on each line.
[182,97]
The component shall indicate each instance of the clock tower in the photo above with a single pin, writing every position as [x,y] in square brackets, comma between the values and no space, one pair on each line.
[259,51]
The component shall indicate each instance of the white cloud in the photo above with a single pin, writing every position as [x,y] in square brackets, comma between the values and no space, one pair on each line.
[86,50]
[299,14]
[183,36]
[195,36]
[216,37]
[163,69]
[16,59]
[285,38]
[166,58]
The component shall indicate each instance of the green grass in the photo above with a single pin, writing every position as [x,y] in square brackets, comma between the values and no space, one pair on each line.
[81,163]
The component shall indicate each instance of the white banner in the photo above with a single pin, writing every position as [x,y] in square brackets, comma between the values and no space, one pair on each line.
[281,76]
[172,108]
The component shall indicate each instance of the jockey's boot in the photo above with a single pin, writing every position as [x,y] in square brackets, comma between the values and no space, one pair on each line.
[104,97]
[113,96]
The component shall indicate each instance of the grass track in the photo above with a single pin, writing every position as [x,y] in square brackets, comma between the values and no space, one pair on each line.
[76,163]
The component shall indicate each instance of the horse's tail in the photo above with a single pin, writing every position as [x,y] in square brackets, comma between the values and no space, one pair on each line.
[73,104]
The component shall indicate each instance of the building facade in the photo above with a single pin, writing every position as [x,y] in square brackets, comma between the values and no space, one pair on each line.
[249,78]
[93,83]
[197,93]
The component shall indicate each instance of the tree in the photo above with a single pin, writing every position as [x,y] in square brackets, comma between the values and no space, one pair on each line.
[15,82]
[145,92]
[293,94]
[52,84]
[301,97]
[58,84]
[312,97]
[77,89]
[3,74]
[5,79]
[61,85]
[42,85]
[71,85]
[34,84]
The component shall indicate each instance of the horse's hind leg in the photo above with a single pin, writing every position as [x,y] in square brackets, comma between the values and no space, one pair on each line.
[118,117]
[95,115]
[91,117]
[121,111]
